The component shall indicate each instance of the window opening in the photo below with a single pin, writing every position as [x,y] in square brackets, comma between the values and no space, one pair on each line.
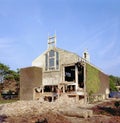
[70,73]
[81,76]
[52,60]
[51,53]
[85,56]
[57,60]
[46,61]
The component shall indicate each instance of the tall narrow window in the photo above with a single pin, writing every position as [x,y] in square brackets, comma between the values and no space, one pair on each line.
[57,60]
[52,60]
[85,55]
[51,53]
[51,64]
[46,61]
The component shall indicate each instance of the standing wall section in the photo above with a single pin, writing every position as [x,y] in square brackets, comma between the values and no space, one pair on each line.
[104,79]
[96,81]
[30,78]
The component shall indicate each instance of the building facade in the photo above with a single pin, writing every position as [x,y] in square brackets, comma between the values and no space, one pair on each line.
[70,73]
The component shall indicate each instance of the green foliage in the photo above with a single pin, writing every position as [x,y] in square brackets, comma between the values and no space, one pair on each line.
[12,75]
[112,85]
[3,69]
[17,75]
[112,82]
[91,99]
[8,74]
[92,79]
[9,77]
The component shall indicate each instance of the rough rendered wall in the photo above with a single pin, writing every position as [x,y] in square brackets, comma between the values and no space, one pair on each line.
[104,82]
[55,77]
[67,57]
[29,78]
[96,81]
[51,78]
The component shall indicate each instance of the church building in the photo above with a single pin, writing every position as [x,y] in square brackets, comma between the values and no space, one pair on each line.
[63,72]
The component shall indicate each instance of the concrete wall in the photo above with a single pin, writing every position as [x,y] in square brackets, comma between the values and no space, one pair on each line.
[54,77]
[65,57]
[96,81]
[30,78]
[104,82]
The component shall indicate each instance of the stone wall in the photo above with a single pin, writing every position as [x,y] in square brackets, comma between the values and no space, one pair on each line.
[30,78]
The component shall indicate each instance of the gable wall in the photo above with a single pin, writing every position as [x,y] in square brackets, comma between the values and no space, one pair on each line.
[54,77]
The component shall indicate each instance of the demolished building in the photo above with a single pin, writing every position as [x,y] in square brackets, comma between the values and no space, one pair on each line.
[62,72]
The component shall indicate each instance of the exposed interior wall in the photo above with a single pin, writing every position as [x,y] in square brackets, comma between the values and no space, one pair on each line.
[30,78]
[51,78]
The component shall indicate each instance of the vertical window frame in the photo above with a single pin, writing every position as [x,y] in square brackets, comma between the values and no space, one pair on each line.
[48,57]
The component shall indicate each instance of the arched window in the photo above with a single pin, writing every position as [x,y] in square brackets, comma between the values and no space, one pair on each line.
[52,60]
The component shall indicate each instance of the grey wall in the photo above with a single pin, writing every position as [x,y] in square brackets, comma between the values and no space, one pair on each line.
[55,77]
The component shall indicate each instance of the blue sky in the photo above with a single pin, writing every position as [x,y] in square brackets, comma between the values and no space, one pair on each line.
[79,24]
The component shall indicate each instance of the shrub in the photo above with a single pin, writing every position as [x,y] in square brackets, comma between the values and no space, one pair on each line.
[117,104]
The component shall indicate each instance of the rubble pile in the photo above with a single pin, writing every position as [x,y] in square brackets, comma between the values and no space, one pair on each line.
[64,106]
[69,107]
[24,107]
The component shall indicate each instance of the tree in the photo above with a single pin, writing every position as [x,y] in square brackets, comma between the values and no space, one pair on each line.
[3,71]
[8,74]
[113,81]
[118,81]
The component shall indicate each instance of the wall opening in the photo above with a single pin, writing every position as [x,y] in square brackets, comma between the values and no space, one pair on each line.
[50,88]
[81,76]
[70,73]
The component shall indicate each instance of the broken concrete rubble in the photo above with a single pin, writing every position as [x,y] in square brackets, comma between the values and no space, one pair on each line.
[64,106]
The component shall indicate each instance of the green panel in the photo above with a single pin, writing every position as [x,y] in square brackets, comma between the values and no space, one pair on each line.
[92,79]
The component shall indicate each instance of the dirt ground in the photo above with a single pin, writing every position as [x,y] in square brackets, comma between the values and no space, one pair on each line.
[105,112]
